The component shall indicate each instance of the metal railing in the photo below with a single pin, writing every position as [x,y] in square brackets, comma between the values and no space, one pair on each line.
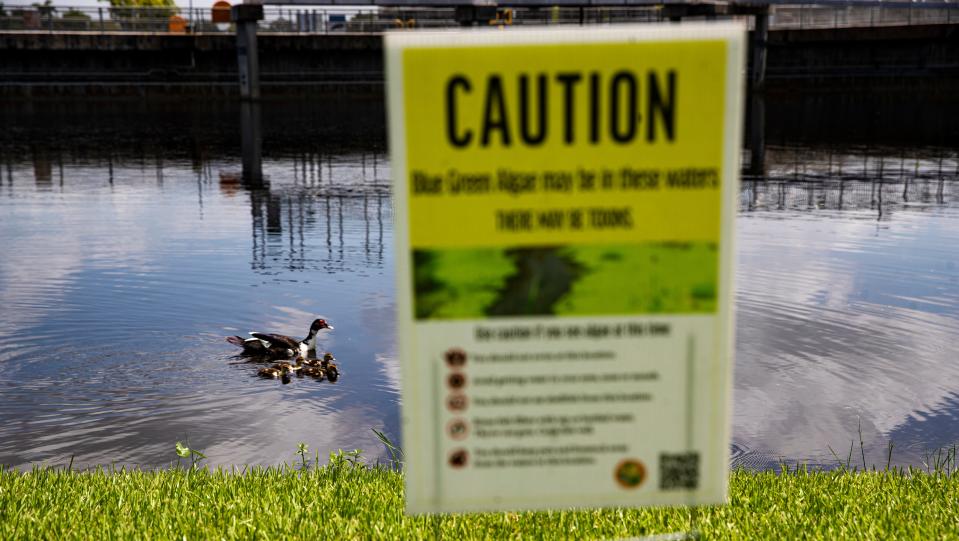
[802,16]
[323,20]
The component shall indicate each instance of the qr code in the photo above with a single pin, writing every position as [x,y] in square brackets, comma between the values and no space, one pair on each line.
[678,471]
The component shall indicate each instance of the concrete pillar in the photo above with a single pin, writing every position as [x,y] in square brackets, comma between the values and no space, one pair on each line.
[474,15]
[757,93]
[244,18]
[674,12]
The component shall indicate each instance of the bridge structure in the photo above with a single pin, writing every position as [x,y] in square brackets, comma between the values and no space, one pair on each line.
[475,12]
[470,12]
[369,16]
[322,16]
[926,49]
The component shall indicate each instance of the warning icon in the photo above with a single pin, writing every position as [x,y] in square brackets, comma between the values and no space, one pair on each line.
[456,381]
[455,358]
[630,473]
[457,429]
[456,402]
[459,458]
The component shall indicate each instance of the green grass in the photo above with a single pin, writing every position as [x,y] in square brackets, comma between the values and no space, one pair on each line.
[346,501]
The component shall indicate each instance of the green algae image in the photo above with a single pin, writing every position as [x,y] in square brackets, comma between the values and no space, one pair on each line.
[457,284]
[642,279]
[651,278]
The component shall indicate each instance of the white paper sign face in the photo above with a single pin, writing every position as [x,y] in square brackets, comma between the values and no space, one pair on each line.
[564,206]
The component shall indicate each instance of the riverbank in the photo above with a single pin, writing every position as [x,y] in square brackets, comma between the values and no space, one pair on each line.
[346,501]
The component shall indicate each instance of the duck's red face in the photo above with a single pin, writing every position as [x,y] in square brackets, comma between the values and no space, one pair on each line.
[320,324]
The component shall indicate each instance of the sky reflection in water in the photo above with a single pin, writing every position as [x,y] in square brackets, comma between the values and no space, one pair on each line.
[122,275]
[118,294]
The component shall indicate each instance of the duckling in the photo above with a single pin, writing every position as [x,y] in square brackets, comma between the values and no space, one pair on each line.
[311,362]
[280,346]
[287,367]
[314,371]
[329,365]
[270,373]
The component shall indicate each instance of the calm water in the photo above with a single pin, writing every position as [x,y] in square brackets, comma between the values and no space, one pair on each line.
[131,249]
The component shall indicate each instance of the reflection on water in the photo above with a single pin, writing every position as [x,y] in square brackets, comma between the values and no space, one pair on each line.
[848,307]
[125,267]
[122,276]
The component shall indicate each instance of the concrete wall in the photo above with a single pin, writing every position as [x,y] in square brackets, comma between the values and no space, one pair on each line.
[38,64]
[91,64]
[879,59]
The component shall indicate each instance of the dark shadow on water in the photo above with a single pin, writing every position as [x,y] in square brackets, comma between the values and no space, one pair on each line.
[927,431]
[94,129]
[861,116]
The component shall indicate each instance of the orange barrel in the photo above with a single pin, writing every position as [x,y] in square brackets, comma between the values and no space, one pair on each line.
[176,25]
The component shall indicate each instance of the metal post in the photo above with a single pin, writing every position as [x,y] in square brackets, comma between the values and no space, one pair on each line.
[251,144]
[757,124]
[100,10]
[245,17]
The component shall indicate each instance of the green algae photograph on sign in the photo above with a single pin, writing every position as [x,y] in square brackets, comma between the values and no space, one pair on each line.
[580,280]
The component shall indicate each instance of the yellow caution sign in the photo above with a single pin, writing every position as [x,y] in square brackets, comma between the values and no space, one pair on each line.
[564,204]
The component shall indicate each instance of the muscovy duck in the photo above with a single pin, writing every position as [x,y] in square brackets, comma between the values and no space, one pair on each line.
[279,345]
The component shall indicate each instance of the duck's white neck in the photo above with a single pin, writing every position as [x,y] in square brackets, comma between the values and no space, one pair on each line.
[310,340]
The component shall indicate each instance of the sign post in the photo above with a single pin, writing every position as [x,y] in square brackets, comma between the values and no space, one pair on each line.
[564,206]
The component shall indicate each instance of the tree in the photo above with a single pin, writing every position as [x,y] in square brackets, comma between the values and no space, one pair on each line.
[46,8]
[138,12]
[141,3]
[74,19]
